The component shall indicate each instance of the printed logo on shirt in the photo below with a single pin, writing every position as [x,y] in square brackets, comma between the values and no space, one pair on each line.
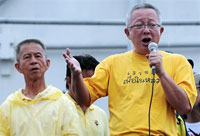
[135,77]
[96,122]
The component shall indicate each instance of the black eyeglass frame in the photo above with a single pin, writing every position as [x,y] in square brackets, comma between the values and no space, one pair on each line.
[142,26]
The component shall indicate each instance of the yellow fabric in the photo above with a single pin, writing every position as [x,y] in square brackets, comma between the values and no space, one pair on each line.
[127,80]
[180,126]
[48,114]
[94,122]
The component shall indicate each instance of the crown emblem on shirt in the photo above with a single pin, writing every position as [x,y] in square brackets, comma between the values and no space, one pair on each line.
[96,123]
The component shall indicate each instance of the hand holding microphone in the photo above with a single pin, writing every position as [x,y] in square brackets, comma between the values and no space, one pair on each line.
[153,47]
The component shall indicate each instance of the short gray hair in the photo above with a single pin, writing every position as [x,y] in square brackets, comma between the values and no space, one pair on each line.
[27,41]
[140,6]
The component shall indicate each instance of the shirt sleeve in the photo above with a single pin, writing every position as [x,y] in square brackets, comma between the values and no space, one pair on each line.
[185,79]
[98,84]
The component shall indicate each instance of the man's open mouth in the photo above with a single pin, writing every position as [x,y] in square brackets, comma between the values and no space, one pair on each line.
[34,69]
[146,40]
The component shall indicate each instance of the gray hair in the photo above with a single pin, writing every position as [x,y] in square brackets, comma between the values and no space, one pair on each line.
[140,6]
[27,41]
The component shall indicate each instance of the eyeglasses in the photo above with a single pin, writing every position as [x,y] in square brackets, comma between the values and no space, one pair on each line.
[142,26]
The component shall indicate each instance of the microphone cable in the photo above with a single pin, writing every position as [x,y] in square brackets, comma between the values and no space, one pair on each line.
[149,114]
[195,134]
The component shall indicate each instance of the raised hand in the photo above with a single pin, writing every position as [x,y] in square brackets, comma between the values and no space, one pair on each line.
[72,63]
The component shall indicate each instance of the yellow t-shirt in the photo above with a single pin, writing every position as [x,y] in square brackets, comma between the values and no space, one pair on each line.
[48,114]
[127,81]
[94,122]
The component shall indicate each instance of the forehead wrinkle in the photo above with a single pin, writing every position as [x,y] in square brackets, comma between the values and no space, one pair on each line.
[149,20]
[21,54]
[32,53]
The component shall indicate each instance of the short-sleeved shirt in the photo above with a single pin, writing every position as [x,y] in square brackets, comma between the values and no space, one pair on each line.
[94,121]
[127,81]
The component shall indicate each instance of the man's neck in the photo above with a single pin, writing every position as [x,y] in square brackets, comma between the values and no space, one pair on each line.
[33,88]
[83,107]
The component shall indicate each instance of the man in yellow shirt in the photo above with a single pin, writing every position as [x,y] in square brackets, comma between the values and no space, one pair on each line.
[140,103]
[93,120]
[37,109]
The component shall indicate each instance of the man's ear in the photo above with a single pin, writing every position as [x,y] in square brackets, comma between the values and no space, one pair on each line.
[161,30]
[68,80]
[48,63]
[127,32]
[18,67]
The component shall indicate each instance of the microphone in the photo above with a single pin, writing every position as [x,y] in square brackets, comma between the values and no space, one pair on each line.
[153,47]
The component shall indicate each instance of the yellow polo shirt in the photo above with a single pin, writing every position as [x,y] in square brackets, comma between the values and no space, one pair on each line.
[94,122]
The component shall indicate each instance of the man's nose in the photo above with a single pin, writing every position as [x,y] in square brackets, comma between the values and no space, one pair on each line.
[33,60]
[146,29]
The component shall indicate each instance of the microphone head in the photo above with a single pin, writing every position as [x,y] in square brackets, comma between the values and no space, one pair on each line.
[152,46]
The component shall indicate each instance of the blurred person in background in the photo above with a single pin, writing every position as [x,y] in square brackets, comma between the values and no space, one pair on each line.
[93,120]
